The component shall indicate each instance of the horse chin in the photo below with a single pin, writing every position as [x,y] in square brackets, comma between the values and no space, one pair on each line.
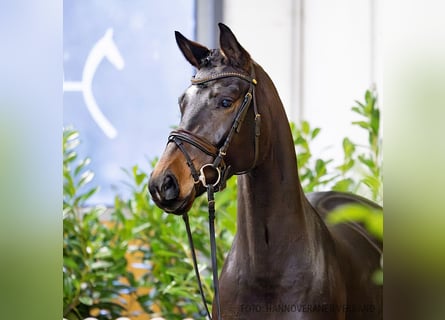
[187,202]
[181,206]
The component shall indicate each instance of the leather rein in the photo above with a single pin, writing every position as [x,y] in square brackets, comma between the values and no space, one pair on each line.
[219,167]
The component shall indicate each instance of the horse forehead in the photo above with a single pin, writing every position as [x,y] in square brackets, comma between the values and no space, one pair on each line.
[191,92]
[193,97]
[197,92]
[196,100]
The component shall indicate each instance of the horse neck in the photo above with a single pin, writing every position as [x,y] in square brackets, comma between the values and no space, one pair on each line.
[274,216]
[271,204]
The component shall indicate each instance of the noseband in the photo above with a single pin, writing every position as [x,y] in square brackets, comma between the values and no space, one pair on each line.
[218,166]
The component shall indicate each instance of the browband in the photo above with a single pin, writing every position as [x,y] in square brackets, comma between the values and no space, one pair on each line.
[221,75]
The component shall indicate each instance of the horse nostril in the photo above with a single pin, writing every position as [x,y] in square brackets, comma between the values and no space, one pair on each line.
[169,189]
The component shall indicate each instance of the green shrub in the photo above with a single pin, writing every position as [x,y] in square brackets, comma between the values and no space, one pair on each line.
[174,292]
[94,263]
[365,161]
[361,169]
[96,241]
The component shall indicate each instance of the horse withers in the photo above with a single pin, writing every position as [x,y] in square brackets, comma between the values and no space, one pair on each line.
[285,262]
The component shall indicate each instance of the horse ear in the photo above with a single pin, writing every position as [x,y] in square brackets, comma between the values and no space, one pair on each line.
[231,48]
[192,51]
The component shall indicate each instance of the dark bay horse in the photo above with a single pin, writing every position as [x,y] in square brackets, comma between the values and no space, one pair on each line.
[285,262]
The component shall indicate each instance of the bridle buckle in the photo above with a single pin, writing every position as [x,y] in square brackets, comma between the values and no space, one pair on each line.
[203,177]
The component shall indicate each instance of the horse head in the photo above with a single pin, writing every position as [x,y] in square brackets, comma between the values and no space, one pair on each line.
[219,128]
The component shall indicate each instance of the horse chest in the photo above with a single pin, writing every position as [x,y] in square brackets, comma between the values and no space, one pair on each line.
[248,294]
[268,292]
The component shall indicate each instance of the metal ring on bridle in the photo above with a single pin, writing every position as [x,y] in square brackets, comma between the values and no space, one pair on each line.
[203,178]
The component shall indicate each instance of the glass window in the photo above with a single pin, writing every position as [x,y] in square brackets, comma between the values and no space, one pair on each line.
[122,76]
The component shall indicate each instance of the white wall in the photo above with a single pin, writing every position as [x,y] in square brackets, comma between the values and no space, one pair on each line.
[321,54]
[264,28]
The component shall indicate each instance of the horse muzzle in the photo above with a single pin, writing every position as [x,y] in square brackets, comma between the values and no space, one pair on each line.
[166,194]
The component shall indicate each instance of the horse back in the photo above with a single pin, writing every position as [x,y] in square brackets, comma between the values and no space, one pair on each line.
[326,202]
[358,254]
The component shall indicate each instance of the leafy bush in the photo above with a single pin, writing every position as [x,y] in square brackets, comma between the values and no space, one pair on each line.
[313,172]
[97,274]
[361,169]
[97,242]
[368,163]
[174,293]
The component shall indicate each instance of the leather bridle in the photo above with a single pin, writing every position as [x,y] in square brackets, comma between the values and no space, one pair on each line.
[218,166]
[181,135]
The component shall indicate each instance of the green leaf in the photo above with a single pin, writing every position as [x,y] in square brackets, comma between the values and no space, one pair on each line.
[375,121]
[362,124]
[86,177]
[165,253]
[343,185]
[315,133]
[305,128]
[366,161]
[70,157]
[368,96]
[102,253]
[69,263]
[345,167]
[154,162]
[70,135]
[302,159]
[372,182]
[141,227]
[81,165]
[88,194]
[358,110]
[139,178]
[300,141]
[361,105]
[68,187]
[86,300]
[372,218]
[71,144]
[320,167]
[101,264]
[348,147]
[177,291]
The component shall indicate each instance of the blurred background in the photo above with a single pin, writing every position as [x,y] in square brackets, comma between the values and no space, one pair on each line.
[34,62]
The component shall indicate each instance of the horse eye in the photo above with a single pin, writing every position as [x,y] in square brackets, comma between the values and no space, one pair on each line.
[226,103]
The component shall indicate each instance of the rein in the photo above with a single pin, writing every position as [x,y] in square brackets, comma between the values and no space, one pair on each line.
[218,166]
